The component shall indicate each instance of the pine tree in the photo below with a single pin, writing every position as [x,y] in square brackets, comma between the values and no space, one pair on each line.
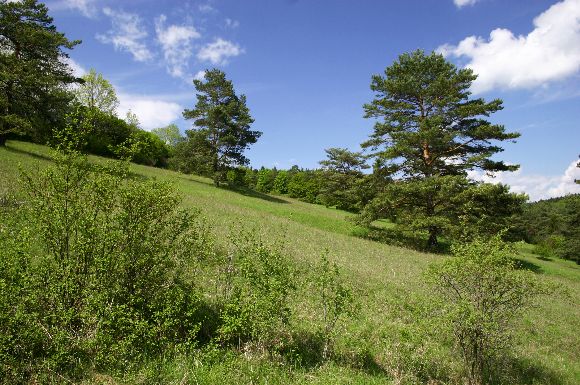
[225,119]
[33,71]
[430,128]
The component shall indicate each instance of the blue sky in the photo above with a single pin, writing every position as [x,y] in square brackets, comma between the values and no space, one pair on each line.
[305,66]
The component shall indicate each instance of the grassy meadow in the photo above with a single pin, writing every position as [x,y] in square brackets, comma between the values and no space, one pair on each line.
[383,339]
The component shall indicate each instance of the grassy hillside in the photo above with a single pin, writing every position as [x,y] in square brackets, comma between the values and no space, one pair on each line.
[388,286]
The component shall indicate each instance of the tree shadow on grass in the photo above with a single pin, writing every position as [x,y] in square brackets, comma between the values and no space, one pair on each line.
[522,264]
[518,371]
[306,350]
[28,153]
[254,194]
[396,237]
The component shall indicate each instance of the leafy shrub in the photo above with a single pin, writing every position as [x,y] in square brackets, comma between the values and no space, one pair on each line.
[99,272]
[236,177]
[265,180]
[259,282]
[281,182]
[336,300]
[484,292]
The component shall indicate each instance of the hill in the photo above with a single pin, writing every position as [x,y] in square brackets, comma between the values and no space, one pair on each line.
[388,284]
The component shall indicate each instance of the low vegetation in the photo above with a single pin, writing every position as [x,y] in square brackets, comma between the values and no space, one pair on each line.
[242,304]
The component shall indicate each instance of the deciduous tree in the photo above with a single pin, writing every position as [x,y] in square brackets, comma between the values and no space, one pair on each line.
[97,92]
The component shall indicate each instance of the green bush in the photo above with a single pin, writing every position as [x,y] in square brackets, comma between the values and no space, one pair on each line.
[236,177]
[335,301]
[98,262]
[256,308]
[482,292]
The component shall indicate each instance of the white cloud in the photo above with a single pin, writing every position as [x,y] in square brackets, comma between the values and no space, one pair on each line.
[77,69]
[536,186]
[463,3]
[219,51]
[199,75]
[549,53]
[206,8]
[152,112]
[175,41]
[233,24]
[128,34]
[87,7]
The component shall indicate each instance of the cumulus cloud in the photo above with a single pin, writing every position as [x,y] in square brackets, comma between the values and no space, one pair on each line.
[199,75]
[175,41]
[77,69]
[219,51]
[86,7]
[536,186]
[152,112]
[463,3]
[127,34]
[230,23]
[550,52]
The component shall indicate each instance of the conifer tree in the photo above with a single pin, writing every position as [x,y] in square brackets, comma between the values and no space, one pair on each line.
[430,130]
[33,70]
[225,120]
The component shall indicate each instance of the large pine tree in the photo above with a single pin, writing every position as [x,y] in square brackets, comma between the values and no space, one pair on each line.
[224,119]
[429,133]
[33,71]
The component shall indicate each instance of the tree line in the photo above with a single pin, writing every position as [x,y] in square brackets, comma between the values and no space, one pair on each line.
[428,133]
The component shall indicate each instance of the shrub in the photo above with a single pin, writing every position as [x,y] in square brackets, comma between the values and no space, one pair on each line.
[99,273]
[236,177]
[259,282]
[483,291]
[336,300]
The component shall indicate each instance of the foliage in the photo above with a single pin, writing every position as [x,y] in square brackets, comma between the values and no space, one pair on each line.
[304,185]
[259,282]
[343,183]
[192,155]
[96,92]
[553,225]
[147,148]
[169,135]
[224,119]
[281,182]
[98,271]
[336,300]
[458,208]
[107,132]
[265,179]
[483,292]
[385,343]
[429,127]
[236,177]
[34,73]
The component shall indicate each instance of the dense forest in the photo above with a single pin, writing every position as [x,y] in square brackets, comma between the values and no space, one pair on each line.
[120,264]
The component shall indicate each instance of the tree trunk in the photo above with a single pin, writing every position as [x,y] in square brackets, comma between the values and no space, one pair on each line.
[3,138]
[432,241]
[215,169]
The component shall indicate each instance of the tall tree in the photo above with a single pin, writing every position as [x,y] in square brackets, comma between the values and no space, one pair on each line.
[33,70]
[170,134]
[343,184]
[429,127]
[225,120]
[97,92]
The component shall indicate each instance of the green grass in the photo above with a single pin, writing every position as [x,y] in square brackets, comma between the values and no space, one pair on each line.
[388,283]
